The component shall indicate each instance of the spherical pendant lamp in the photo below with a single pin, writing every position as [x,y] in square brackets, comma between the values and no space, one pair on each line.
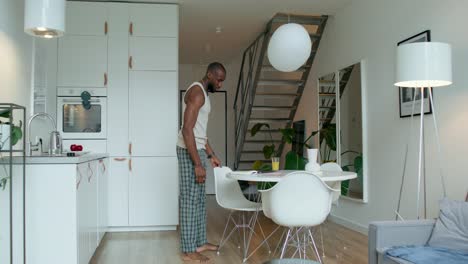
[44,18]
[289,47]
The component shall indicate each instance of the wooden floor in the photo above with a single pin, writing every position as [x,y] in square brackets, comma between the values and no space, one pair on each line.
[341,244]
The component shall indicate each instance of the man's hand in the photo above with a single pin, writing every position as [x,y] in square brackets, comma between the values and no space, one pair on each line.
[215,162]
[200,174]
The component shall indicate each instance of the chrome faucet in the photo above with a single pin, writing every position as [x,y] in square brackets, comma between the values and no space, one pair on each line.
[35,147]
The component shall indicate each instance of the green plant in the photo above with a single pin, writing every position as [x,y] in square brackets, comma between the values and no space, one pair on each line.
[356,166]
[16,133]
[328,136]
[292,160]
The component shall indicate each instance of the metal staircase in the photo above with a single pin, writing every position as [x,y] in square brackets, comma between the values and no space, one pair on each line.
[265,95]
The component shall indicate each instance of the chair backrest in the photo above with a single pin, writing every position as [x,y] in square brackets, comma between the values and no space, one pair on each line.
[299,199]
[226,189]
[330,166]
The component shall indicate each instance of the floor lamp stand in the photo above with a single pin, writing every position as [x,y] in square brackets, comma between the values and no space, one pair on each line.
[421,160]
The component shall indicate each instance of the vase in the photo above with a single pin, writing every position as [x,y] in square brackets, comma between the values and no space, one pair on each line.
[312,165]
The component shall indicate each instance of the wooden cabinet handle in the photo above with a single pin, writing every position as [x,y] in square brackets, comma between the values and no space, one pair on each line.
[90,172]
[130,29]
[106,28]
[120,159]
[130,164]
[130,148]
[105,79]
[130,62]
[103,165]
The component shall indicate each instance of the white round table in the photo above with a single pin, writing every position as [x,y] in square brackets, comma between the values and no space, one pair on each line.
[276,176]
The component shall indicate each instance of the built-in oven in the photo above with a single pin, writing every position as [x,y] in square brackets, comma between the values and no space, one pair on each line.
[82,113]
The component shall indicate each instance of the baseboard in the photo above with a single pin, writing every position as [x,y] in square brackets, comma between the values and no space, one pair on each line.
[141,228]
[349,224]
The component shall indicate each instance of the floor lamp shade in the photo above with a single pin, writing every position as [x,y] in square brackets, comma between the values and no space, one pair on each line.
[424,64]
[44,18]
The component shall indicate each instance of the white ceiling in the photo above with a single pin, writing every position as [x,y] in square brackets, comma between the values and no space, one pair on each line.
[241,22]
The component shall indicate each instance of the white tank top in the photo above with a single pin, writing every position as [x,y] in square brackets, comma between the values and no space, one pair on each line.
[202,121]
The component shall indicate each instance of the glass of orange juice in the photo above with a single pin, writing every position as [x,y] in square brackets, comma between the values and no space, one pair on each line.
[275,163]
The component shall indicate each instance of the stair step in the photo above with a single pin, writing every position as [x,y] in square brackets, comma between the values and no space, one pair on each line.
[327,107]
[326,119]
[299,19]
[272,107]
[252,151]
[280,82]
[266,131]
[262,141]
[277,94]
[252,161]
[327,94]
[269,120]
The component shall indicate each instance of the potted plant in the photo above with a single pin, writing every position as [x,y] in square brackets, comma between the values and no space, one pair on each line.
[10,134]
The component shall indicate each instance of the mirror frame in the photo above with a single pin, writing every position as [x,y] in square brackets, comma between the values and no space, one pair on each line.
[364,113]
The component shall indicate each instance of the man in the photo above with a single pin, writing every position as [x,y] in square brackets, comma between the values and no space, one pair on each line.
[193,150]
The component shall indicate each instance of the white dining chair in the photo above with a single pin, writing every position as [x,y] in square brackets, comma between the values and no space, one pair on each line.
[300,201]
[332,166]
[230,196]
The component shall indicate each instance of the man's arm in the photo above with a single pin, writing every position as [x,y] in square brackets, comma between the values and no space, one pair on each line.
[194,101]
[215,162]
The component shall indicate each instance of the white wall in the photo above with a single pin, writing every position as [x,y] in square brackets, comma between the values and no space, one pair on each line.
[15,54]
[15,83]
[370,30]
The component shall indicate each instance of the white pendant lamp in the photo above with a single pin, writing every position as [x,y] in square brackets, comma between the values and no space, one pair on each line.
[289,47]
[44,18]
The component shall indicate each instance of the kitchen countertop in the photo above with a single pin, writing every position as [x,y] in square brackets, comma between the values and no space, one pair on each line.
[81,158]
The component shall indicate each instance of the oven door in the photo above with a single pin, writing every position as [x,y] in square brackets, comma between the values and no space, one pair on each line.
[76,122]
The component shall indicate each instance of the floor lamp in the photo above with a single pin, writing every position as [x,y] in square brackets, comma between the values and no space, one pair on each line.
[423,65]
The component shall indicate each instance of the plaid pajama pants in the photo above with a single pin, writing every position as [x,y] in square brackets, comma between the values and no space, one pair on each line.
[191,203]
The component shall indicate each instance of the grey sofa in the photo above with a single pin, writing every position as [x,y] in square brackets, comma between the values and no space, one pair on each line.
[386,234]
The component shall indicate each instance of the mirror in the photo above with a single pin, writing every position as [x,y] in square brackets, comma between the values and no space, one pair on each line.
[327,118]
[350,127]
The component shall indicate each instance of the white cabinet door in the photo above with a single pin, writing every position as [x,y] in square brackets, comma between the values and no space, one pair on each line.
[117,195]
[93,206]
[160,54]
[117,93]
[85,18]
[153,191]
[153,113]
[102,171]
[82,211]
[153,20]
[82,61]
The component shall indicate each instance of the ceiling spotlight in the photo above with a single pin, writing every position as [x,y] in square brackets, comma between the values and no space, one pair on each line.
[218,29]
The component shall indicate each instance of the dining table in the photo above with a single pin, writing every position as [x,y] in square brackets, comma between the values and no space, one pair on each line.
[275,177]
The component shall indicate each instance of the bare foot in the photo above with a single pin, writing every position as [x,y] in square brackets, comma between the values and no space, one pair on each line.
[207,247]
[195,257]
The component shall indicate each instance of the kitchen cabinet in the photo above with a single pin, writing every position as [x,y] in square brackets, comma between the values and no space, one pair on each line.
[118,191]
[158,54]
[82,61]
[63,200]
[86,18]
[153,191]
[117,94]
[153,20]
[102,202]
[153,115]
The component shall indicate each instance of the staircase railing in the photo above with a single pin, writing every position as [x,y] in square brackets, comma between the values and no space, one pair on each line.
[252,62]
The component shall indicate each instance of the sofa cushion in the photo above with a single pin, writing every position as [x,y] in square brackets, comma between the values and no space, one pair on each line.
[451,228]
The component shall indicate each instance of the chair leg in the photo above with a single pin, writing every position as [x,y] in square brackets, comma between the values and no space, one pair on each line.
[315,247]
[279,241]
[285,243]
[264,237]
[224,232]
